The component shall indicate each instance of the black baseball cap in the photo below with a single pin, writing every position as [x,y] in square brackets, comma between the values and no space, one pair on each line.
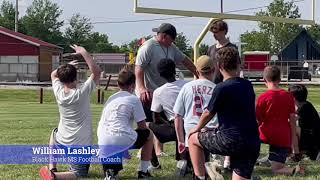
[167,29]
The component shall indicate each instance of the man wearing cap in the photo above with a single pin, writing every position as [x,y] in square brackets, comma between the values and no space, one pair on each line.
[149,55]
[219,30]
[193,98]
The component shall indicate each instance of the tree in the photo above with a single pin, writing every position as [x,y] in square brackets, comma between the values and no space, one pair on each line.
[203,49]
[314,31]
[99,43]
[255,41]
[78,32]
[183,44]
[42,21]
[7,15]
[134,45]
[279,34]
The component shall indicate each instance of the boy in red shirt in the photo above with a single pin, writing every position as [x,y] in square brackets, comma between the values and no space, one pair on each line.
[275,111]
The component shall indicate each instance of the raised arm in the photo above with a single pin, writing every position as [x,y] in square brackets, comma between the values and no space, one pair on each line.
[54,75]
[94,68]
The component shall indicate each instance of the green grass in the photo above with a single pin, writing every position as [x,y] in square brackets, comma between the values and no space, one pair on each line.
[24,121]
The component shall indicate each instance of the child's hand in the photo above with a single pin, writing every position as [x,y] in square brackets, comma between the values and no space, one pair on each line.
[181,147]
[74,63]
[78,49]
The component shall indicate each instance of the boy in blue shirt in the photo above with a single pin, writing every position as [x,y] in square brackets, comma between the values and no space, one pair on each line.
[237,136]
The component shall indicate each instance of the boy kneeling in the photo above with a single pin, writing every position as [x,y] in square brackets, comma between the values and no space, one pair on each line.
[237,135]
[116,126]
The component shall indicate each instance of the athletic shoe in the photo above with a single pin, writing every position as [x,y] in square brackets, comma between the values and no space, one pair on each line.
[264,162]
[212,171]
[111,174]
[163,154]
[182,167]
[46,174]
[144,175]
[217,160]
[153,168]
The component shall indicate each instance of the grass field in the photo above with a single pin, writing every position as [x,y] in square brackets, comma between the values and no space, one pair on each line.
[24,121]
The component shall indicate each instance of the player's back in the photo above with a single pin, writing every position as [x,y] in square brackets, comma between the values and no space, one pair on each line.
[273,111]
[194,98]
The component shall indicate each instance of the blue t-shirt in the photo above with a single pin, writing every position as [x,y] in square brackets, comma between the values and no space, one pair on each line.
[234,102]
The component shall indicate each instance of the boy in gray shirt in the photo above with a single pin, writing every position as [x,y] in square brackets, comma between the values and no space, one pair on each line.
[75,126]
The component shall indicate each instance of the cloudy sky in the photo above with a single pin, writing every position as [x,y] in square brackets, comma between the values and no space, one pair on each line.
[114,18]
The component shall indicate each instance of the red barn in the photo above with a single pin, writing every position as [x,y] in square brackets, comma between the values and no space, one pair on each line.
[25,58]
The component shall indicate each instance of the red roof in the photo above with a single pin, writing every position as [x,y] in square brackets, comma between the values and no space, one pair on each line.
[27,39]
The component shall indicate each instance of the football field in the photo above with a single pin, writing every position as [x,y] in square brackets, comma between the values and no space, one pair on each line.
[23,120]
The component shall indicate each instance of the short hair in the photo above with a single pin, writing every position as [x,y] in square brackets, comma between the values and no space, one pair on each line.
[126,77]
[219,25]
[166,68]
[228,58]
[67,73]
[299,92]
[272,74]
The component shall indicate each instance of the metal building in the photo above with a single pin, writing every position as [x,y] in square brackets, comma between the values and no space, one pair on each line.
[25,58]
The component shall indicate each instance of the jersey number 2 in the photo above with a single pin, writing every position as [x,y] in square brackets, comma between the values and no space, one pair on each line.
[197,107]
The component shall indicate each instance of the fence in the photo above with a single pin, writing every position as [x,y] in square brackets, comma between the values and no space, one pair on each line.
[289,69]
[14,72]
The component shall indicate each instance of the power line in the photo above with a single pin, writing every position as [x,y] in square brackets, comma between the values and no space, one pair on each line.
[172,18]
[132,21]
[160,19]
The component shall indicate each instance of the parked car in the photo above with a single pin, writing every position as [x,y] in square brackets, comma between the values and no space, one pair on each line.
[299,73]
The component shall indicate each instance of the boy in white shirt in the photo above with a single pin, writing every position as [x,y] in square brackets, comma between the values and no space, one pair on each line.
[75,125]
[115,128]
[193,98]
[163,101]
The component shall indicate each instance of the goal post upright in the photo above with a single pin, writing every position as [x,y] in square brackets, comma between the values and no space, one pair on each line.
[213,16]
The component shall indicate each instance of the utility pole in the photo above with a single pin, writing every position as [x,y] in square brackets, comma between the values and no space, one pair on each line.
[221,6]
[16,18]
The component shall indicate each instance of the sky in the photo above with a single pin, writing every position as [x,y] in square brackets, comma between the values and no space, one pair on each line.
[109,17]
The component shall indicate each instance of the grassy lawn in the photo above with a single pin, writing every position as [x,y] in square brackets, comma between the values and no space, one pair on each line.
[24,121]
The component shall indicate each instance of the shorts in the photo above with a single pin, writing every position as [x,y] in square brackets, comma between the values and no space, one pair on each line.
[165,132]
[142,138]
[278,154]
[148,113]
[80,170]
[243,152]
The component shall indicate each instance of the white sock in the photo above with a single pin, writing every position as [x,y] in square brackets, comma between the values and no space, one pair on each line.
[201,177]
[144,166]
[226,163]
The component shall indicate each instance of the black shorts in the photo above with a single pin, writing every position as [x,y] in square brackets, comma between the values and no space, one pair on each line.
[278,154]
[243,152]
[165,132]
[142,138]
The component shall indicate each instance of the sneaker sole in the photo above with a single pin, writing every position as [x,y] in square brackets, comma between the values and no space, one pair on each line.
[212,172]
